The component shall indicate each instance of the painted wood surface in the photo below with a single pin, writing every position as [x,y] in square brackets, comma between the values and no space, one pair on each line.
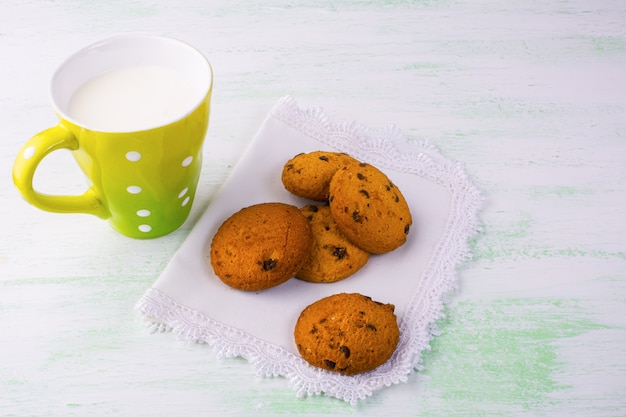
[530,96]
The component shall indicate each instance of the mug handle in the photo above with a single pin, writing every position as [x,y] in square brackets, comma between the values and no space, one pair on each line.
[26,163]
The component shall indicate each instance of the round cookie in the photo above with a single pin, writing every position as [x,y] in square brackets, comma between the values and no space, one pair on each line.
[369,209]
[347,333]
[333,257]
[308,175]
[261,246]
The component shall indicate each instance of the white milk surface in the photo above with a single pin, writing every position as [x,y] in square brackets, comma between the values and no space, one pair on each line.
[133,98]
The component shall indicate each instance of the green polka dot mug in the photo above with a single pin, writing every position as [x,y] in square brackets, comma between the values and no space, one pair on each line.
[134,112]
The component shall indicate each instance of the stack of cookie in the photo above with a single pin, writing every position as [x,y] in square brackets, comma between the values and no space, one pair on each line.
[356,212]
[366,212]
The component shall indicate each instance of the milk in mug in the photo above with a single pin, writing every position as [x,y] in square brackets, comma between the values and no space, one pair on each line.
[132,98]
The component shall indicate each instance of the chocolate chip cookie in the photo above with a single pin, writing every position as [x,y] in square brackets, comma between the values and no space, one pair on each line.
[369,209]
[333,257]
[261,246]
[308,175]
[347,333]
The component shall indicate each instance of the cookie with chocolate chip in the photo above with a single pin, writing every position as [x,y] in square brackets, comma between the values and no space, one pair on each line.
[308,175]
[347,333]
[261,246]
[369,208]
[333,257]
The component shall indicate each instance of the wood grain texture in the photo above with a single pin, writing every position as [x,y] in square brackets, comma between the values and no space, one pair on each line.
[530,96]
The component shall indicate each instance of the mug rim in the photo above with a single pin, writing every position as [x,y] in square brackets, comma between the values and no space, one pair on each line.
[206,87]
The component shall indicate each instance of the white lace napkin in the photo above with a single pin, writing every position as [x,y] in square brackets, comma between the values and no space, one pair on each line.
[190,300]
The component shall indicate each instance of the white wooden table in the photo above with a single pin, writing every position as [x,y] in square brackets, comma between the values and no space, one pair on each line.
[531,96]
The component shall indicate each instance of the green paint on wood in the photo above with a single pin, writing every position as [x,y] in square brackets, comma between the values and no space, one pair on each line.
[604,44]
[513,252]
[283,402]
[500,355]
[511,241]
[559,191]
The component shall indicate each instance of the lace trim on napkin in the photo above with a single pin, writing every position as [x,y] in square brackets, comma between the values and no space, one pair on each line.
[425,307]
